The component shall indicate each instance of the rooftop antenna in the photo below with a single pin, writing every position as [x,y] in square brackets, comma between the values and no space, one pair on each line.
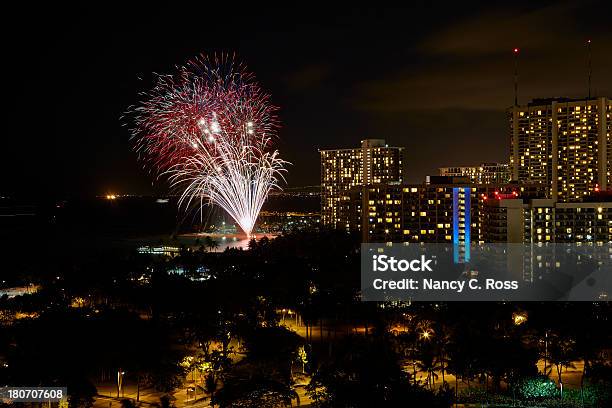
[515,52]
[588,44]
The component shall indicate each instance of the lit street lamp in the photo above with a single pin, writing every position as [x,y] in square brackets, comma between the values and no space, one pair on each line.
[120,375]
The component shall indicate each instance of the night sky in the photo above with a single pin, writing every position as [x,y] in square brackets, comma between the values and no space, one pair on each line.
[433,78]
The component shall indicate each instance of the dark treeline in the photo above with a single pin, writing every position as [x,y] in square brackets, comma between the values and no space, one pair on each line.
[261,327]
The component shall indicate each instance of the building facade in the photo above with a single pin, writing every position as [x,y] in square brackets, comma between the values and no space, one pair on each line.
[485,173]
[514,220]
[563,144]
[343,170]
[538,226]
[456,212]
[445,210]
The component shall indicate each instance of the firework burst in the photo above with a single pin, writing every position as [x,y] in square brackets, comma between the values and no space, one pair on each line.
[210,130]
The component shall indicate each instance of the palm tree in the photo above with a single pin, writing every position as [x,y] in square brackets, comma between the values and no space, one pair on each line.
[210,243]
[562,353]
[211,384]
[257,391]
[427,361]
[441,342]
[213,244]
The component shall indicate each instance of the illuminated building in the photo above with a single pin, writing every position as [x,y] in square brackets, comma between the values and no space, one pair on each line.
[485,173]
[159,250]
[501,219]
[583,222]
[563,144]
[284,221]
[538,222]
[443,210]
[345,169]
[506,219]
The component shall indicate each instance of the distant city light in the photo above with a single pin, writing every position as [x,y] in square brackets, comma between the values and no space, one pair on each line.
[519,318]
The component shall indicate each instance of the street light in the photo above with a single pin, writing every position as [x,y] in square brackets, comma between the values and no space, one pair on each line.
[120,375]
[426,334]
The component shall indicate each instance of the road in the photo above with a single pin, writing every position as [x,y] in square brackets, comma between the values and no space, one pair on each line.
[108,392]
[107,397]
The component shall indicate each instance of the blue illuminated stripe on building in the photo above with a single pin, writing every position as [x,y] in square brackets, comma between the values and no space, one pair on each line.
[468,222]
[455,215]
[463,244]
[455,224]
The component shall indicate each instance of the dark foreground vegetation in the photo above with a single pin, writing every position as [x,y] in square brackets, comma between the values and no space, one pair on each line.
[282,322]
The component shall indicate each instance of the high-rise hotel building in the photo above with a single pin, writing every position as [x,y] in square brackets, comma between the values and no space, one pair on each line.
[344,169]
[442,210]
[485,173]
[509,219]
[534,223]
[564,144]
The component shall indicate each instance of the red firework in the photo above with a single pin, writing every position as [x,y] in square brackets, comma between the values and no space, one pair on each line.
[211,128]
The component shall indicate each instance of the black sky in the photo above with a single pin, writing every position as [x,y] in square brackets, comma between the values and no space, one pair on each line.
[431,77]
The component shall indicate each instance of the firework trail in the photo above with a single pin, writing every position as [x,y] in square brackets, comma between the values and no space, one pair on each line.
[210,130]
